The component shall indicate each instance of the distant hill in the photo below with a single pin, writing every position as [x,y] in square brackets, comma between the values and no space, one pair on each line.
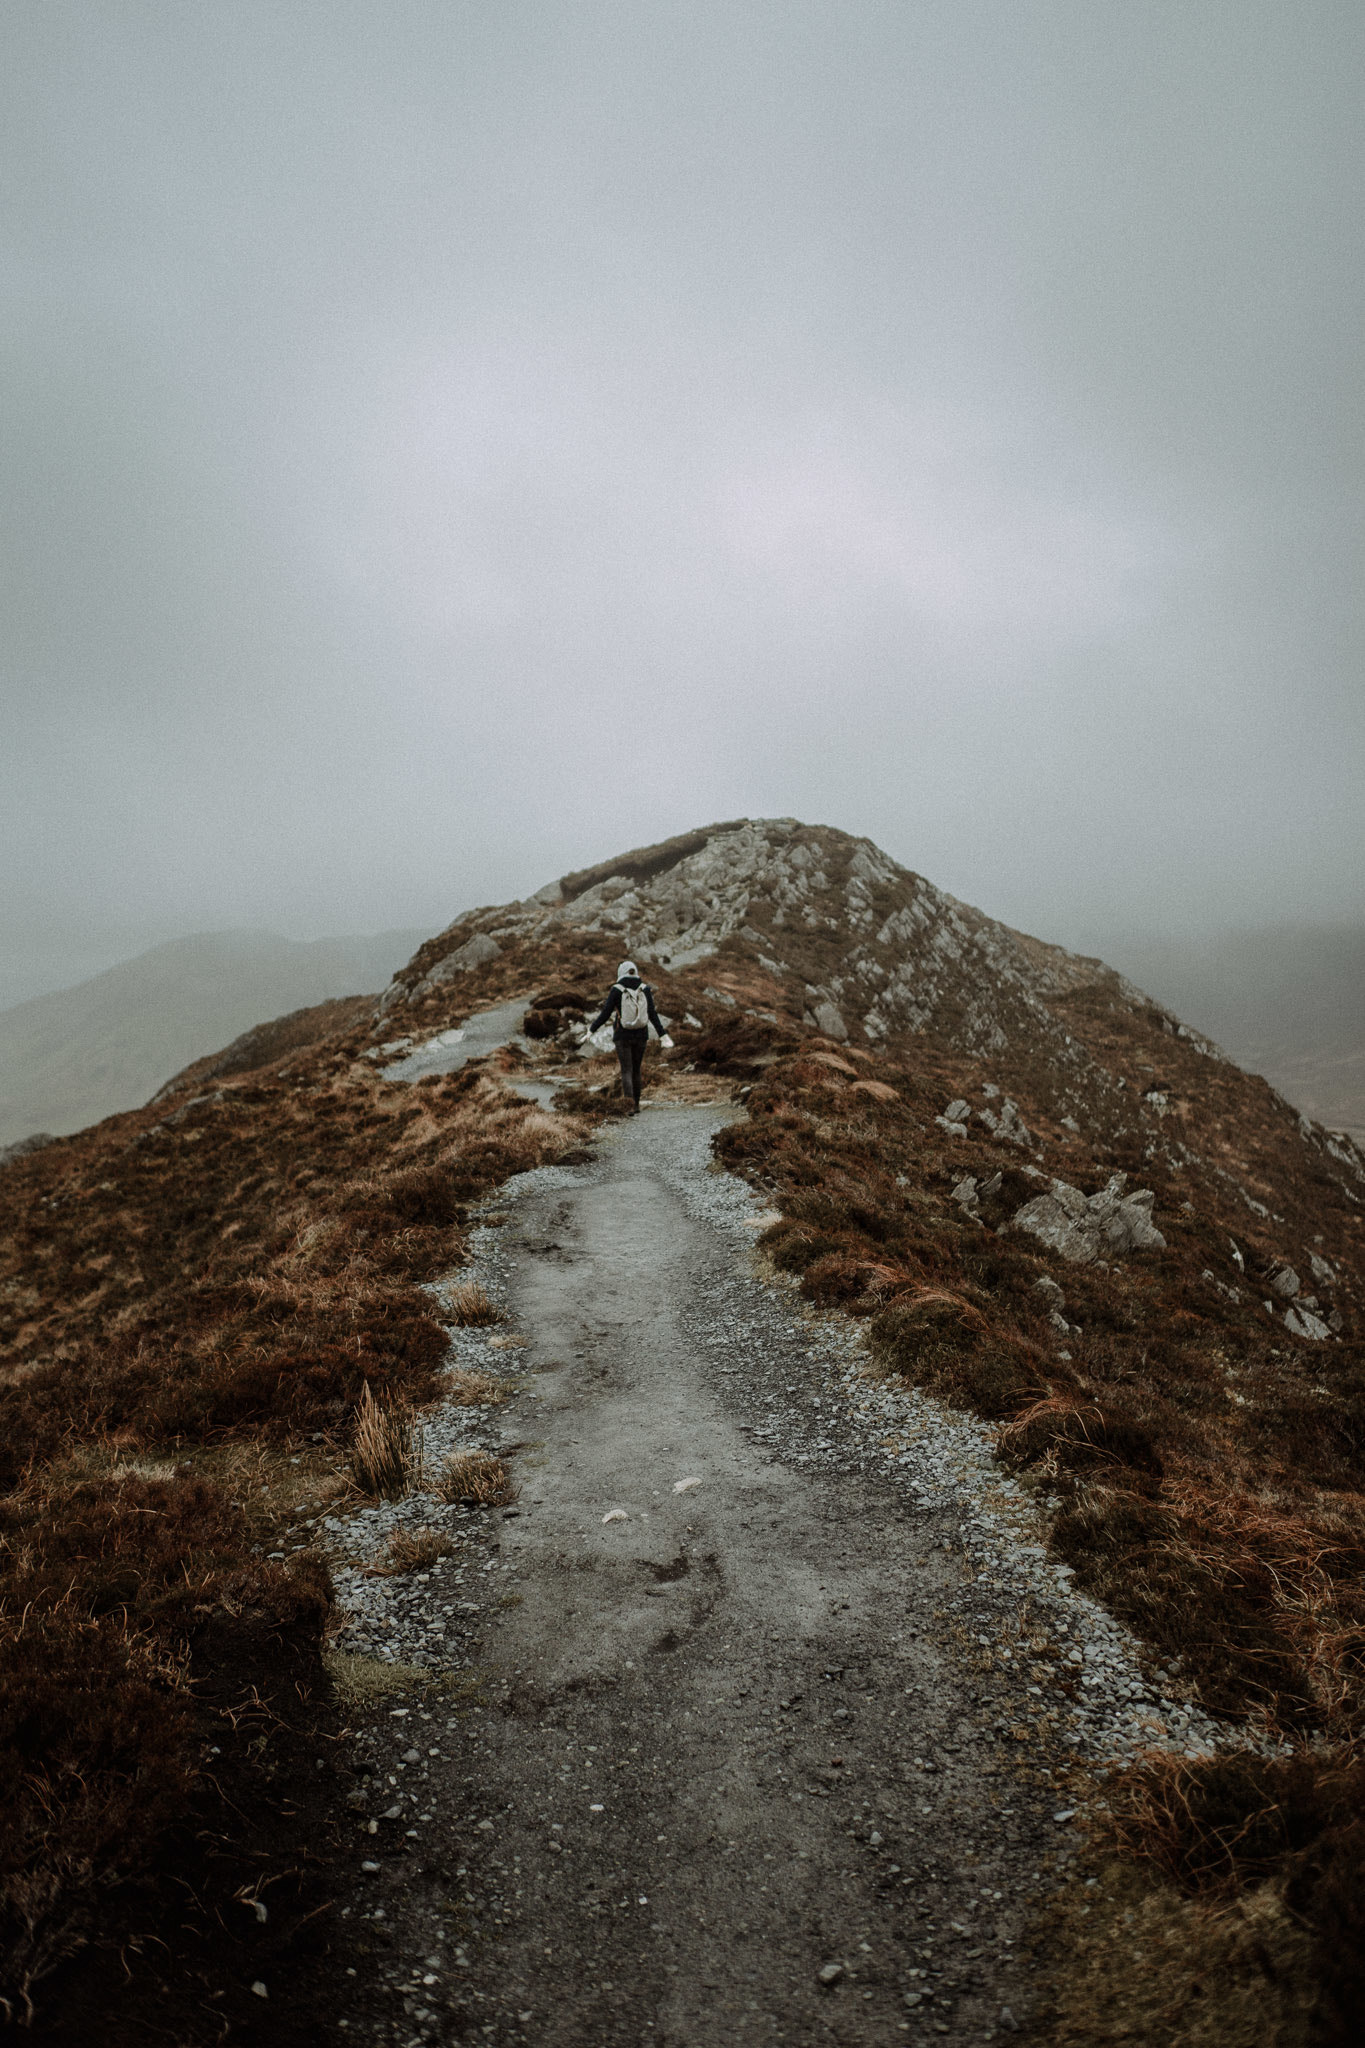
[83,1053]
[1286,1001]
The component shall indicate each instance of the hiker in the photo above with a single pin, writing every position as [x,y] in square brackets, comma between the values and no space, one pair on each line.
[630,1002]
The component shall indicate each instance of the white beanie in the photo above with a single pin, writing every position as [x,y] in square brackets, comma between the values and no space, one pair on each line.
[627,967]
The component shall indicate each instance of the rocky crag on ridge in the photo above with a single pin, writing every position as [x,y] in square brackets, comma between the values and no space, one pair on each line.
[828,933]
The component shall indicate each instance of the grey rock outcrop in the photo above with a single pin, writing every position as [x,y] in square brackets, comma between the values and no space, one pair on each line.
[909,955]
[827,1018]
[1006,1122]
[475,952]
[1081,1227]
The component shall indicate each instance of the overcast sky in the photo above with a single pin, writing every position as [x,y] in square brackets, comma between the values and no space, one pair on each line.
[445,444]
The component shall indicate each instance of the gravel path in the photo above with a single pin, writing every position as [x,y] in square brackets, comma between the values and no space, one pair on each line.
[748,1722]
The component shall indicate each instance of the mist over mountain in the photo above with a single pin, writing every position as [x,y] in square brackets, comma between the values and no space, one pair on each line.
[1286,1001]
[69,1058]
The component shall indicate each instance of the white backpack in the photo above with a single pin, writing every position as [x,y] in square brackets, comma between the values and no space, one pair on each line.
[634,1007]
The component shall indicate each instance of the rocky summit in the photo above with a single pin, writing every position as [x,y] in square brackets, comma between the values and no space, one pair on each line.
[838,1556]
[828,934]
[871,948]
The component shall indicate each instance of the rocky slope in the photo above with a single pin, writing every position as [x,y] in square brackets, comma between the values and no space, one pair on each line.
[808,927]
[857,944]
[1038,1197]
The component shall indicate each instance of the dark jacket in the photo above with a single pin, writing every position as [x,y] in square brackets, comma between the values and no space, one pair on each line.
[612,1006]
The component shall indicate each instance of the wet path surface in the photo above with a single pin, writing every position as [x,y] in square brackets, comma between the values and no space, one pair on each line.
[450,1050]
[728,1773]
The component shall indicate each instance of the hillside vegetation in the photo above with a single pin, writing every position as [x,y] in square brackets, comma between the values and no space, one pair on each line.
[194,1299]
[1046,1201]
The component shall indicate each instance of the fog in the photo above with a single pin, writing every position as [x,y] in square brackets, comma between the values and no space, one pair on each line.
[444,444]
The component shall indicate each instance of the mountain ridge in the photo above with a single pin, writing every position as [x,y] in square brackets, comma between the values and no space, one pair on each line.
[1034,1194]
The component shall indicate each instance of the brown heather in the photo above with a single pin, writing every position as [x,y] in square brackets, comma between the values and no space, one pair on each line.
[1210,1469]
[189,1295]
[193,1294]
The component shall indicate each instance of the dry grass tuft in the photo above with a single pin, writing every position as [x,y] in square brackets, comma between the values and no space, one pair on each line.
[1242,1888]
[411,1550]
[469,1388]
[384,1457]
[476,1478]
[1219,1823]
[470,1306]
[359,1681]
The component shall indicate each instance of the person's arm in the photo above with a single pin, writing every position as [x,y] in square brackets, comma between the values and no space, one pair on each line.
[608,1009]
[654,1017]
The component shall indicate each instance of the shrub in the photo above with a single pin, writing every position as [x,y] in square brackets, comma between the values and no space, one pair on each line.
[918,1331]
[741,1046]
[1077,1436]
[550,1011]
[1226,1821]
[945,1345]
[793,1245]
[833,1278]
[1221,1824]
[96,1758]
[130,1617]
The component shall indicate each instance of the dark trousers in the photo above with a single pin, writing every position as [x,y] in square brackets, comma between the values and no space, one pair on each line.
[630,1050]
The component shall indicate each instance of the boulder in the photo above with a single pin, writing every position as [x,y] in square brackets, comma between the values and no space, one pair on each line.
[1080,1227]
[1006,1122]
[475,952]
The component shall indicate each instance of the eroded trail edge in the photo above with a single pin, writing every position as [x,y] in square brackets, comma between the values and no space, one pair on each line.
[767,1729]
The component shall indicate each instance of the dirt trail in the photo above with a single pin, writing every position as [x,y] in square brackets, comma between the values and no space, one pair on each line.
[722,1746]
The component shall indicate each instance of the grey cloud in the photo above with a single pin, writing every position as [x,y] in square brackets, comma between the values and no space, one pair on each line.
[443,442]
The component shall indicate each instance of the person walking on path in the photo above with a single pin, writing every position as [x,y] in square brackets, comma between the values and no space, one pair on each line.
[630,1003]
